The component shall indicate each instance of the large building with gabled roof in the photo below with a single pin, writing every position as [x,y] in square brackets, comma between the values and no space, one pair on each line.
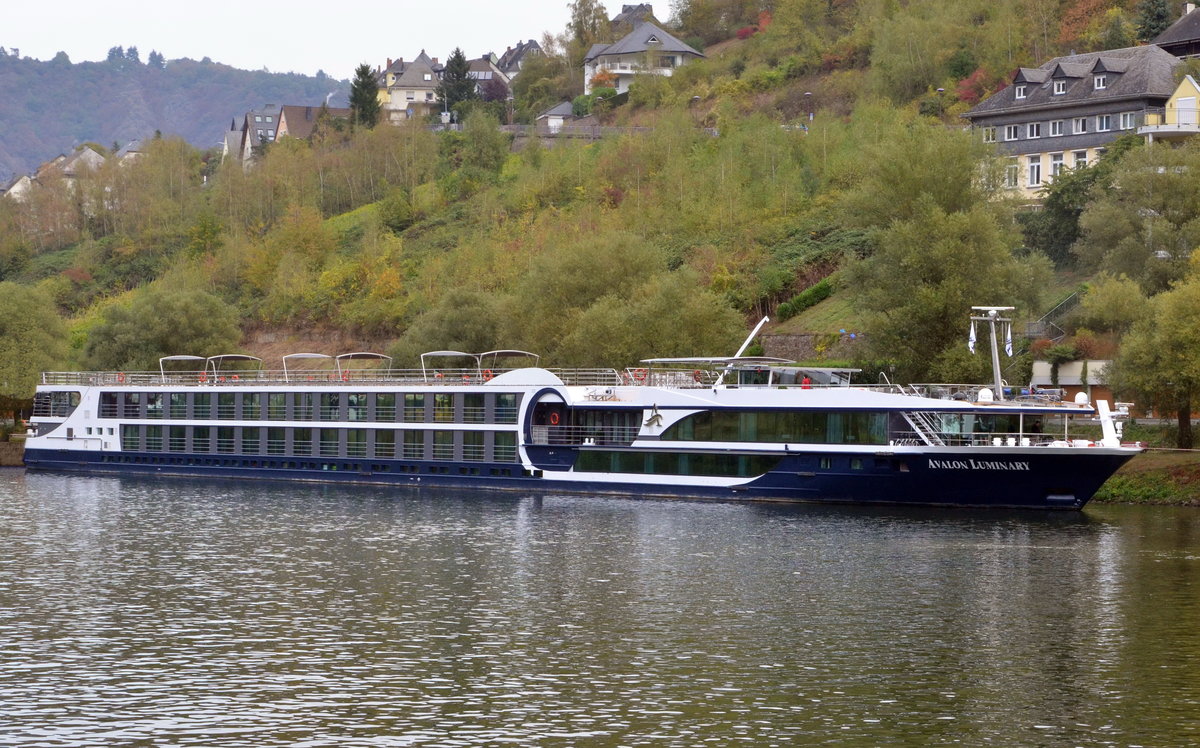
[1062,114]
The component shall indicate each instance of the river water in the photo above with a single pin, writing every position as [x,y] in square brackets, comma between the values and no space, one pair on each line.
[161,613]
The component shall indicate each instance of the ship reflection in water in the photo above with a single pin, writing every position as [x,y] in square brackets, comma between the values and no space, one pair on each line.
[143,612]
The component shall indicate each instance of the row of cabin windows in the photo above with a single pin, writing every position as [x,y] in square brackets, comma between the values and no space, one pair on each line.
[1099,83]
[468,446]
[790,426]
[655,462]
[356,467]
[1059,127]
[1034,164]
[409,407]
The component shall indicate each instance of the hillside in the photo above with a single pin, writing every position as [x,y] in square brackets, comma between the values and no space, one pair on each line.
[50,107]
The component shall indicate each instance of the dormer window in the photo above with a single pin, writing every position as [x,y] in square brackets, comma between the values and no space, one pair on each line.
[1060,87]
[1099,82]
[1020,91]
[653,40]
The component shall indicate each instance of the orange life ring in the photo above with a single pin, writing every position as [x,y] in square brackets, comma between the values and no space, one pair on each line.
[487,375]
[236,377]
[121,378]
[438,375]
[640,374]
[698,376]
[554,419]
[203,377]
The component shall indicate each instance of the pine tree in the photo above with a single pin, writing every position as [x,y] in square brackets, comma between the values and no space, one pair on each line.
[364,97]
[1153,18]
[457,84]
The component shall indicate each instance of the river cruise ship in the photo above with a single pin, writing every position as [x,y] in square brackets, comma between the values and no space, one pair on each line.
[737,428]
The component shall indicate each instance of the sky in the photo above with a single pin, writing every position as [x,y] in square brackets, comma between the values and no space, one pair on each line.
[302,36]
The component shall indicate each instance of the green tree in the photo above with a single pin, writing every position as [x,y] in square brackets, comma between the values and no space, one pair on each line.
[32,339]
[1153,18]
[1054,229]
[589,22]
[364,97]
[457,85]
[161,322]
[1159,361]
[1146,225]
[917,290]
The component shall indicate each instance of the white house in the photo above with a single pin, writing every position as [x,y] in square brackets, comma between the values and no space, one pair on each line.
[646,49]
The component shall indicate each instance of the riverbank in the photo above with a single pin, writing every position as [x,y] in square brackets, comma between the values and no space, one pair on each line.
[11,452]
[1169,477]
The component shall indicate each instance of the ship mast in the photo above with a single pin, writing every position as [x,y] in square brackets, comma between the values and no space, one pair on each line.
[991,315]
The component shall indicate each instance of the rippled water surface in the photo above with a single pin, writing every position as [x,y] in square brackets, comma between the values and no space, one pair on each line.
[140,612]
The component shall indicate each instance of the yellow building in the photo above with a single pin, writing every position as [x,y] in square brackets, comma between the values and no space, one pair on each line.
[1178,119]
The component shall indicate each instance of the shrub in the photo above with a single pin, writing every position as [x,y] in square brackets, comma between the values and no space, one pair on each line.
[810,297]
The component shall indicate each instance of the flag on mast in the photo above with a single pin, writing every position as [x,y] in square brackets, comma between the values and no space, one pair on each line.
[971,338]
[1008,339]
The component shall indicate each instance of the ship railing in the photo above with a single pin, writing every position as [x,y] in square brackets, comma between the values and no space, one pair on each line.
[250,378]
[983,439]
[616,436]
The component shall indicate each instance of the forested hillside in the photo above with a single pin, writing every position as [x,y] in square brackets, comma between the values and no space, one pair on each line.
[726,203]
[50,107]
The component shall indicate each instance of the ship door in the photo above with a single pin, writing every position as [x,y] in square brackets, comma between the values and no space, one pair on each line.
[549,422]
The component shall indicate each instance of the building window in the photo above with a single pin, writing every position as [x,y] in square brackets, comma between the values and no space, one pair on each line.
[258,118]
[1103,122]
[1056,164]
[1012,173]
[1010,132]
[1035,170]
[1080,159]
[1034,130]
[1020,92]
[1056,128]
[1099,82]
[268,118]
[1060,87]
[428,76]
[989,135]
[410,95]
[1128,120]
[1079,125]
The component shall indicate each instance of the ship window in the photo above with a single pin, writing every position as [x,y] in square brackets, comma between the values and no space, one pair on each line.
[131,438]
[225,405]
[154,405]
[108,405]
[277,406]
[826,463]
[302,406]
[356,406]
[329,442]
[225,439]
[202,406]
[276,440]
[385,406]
[506,407]
[178,405]
[473,407]
[675,463]
[792,426]
[472,445]
[250,440]
[385,444]
[302,442]
[356,442]
[201,441]
[443,407]
[414,407]
[154,438]
[331,405]
[414,445]
[443,445]
[504,446]
[177,439]
[251,406]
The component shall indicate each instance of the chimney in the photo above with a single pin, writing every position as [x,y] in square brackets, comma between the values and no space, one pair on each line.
[1188,8]
[389,62]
